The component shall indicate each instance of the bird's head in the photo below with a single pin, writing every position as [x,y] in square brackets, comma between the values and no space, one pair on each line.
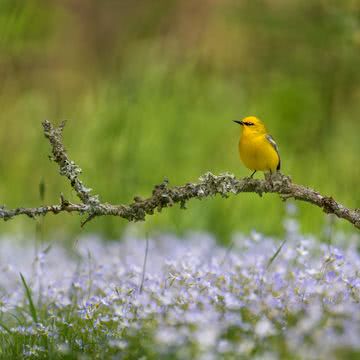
[252,124]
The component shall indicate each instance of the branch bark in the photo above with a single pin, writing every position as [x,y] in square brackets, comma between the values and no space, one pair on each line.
[164,196]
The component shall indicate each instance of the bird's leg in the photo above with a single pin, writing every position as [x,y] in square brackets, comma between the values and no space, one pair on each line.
[253,174]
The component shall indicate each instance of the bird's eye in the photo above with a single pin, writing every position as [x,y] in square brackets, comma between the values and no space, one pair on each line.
[248,123]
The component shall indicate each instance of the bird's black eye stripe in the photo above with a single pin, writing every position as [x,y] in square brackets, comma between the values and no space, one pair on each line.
[249,123]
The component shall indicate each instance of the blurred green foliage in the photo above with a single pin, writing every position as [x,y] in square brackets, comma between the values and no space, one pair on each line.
[149,90]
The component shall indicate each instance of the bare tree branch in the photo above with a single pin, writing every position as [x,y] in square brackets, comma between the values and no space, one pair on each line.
[164,196]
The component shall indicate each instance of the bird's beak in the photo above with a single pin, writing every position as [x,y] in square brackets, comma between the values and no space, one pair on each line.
[238,122]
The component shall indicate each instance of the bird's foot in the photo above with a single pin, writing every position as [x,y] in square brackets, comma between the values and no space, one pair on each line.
[251,177]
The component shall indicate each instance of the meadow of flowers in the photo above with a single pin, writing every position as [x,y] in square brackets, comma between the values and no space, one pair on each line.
[182,298]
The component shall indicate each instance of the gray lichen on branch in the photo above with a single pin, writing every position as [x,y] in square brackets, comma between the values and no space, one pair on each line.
[67,167]
[164,196]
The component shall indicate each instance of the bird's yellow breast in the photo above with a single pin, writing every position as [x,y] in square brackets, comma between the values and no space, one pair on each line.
[257,153]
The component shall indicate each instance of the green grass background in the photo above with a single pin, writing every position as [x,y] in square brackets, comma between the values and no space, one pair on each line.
[149,90]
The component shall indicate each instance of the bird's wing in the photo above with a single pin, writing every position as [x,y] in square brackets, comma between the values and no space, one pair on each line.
[270,139]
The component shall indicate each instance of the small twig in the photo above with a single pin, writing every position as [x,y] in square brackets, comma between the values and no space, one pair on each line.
[144,265]
[89,218]
[67,167]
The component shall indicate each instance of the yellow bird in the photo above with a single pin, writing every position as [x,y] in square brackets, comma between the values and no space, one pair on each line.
[258,150]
